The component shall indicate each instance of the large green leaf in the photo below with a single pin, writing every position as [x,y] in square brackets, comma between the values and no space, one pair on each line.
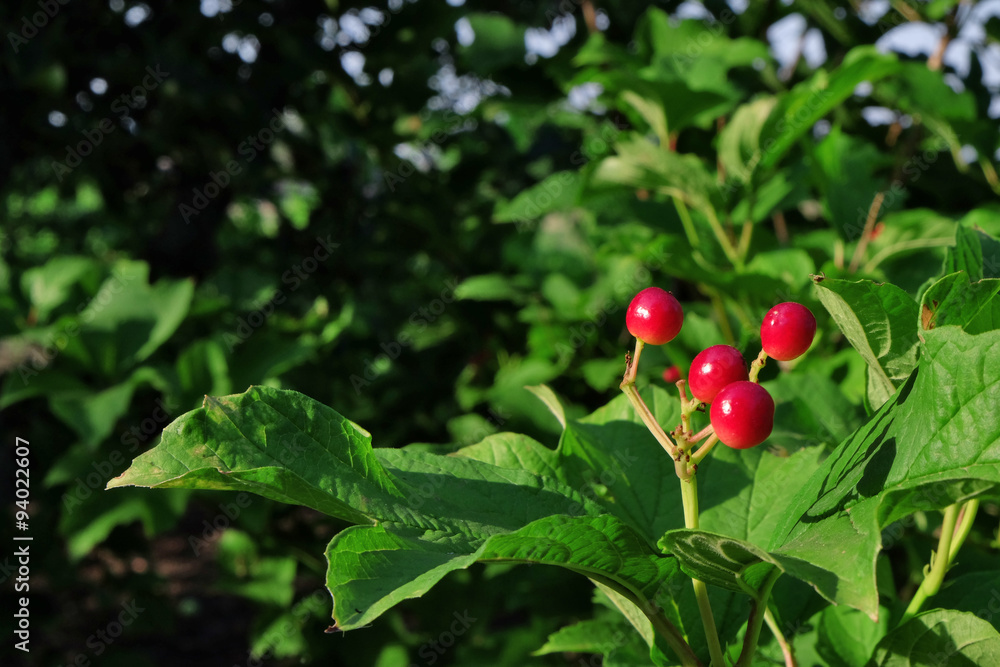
[939,637]
[758,487]
[880,321]
[278,444]
[935,442]
[374,567]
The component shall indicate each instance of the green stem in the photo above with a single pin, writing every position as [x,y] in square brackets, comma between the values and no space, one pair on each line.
[686,222]
[628,388]
[779,636]
[689,497]
[727,245]
[675,640]
[688,406]
[720,312]
[758,612]
[703,451]
[618,592]
[757,364]
[967,516]
[940,560]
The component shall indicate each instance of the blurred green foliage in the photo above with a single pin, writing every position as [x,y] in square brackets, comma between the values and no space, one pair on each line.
[195,200]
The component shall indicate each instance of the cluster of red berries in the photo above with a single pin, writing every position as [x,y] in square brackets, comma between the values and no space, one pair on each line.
[742,412]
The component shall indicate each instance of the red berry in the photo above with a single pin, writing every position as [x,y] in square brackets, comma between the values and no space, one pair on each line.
[742,415]
[672,374]
[714,368]
[654,316]
[787,331]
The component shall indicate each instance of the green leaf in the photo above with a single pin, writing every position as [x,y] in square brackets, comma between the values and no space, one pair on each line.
[935,442]
[847,637]
[515,452]
[425,514]
[130,318]
[976,592]
[642,164]
[590,636]
[51,285]
[246,573]
[374,567]
[613,452]
[93,415]
[739,140]
[279,444]
[551,401]
[723,561]
[975,253]
[758,487]
[88,522]
[490,287]
[880,321]
[848,167]
[807,102]
[954,300]
[939,637]
[557,192]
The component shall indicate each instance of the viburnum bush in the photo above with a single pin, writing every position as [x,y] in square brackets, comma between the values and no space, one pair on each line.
[687,540]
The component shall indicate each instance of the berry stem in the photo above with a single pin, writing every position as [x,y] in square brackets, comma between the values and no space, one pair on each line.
[699,456]
[757,364]
[687,407]
[702,434]
[628,388]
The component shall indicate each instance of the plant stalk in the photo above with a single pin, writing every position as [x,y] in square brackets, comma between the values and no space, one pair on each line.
[758,613]
[779,636]
[940,560]
[689,497]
